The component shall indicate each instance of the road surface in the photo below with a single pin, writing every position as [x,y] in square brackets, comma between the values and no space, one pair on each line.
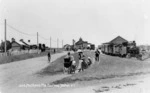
[21,77]
[15,74]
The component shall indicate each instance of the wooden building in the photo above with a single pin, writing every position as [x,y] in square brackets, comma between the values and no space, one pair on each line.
[19,46]
[115,46]
[16,46]
[81,44]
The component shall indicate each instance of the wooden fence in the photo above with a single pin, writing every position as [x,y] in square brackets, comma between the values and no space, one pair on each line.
[19,52]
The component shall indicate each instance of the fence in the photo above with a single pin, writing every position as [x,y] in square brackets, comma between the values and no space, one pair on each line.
[19,52]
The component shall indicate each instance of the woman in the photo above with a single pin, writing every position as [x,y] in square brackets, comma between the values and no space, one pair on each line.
[68,62]
[81,61]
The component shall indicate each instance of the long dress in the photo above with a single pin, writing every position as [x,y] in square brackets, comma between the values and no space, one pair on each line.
[67,62]
[80,63]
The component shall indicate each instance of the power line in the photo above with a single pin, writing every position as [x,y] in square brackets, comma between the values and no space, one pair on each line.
[47,39]
[54,40]
[19,31]
[43,37]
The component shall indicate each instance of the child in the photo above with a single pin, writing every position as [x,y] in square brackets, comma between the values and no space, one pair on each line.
[73,67]
[89,61]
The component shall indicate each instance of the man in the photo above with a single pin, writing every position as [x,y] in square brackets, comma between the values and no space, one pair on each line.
[54,51]
[49,56]
[97,53]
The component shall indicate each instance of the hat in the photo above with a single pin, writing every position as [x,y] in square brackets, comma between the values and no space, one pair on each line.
[79,51]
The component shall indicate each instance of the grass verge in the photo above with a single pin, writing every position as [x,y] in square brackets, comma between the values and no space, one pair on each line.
[109,67]
[56,67]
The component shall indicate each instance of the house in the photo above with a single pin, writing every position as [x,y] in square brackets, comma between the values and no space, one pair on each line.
[16,46]
[118,40]
[113,47]
[81,44]
[33,46]
[24,44]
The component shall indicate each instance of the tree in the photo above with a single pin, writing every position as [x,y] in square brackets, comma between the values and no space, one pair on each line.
[0,47]
[8,45]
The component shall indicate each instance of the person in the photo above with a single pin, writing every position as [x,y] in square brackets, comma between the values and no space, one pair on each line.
[73,66]
[68,64]
[81,56]
[49,56]
[89,61]
[97,53]
[81,64]
[54,51]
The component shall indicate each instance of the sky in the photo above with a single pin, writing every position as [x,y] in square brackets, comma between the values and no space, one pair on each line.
[95,21]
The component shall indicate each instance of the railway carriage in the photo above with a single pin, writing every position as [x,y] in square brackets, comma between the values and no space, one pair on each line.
[121,47]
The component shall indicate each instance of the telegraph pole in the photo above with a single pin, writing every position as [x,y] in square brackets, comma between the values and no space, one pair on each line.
[5,37]
[37,39]
[62,44]
[57,43]
[50,42]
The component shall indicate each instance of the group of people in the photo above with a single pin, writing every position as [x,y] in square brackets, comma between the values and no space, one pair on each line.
[70,64]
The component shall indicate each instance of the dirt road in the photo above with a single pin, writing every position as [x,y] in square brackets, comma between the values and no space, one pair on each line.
[15,74]
[133,84]
[21,77]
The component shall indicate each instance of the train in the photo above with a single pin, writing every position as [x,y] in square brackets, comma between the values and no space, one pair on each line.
[125,49]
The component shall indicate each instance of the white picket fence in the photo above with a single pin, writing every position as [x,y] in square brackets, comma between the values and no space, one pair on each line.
[19,52]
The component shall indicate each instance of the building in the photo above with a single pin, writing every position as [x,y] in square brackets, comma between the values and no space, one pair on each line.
[33,47]
[67,47]
[114,46]
[24,44]
[19,46]
[81,44]
[16,46]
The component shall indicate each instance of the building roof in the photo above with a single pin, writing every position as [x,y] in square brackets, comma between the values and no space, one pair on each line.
[118,40]
[81,42]
[67,45]
[16,43]
[20,44]
[24,43]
